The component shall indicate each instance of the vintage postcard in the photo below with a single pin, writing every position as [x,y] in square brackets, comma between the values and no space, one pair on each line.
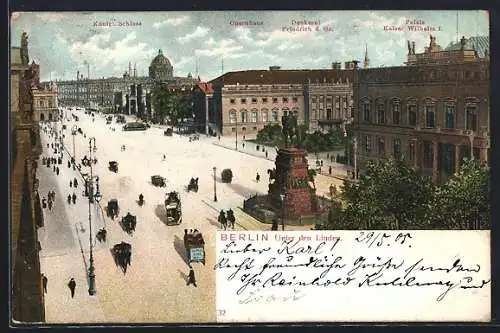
[250,167]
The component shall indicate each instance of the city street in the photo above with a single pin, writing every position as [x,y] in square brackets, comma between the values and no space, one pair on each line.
[154,287]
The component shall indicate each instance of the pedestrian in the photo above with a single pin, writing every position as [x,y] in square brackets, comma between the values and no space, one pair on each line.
[327,155]
[330,170]
[75,183]
[164,157]
[70,183]
[257,177]
[50,204]
[69,164]
[69,199]
[219,137]
[243,137]
[191,277]
[243,144]
[54,168]
[57,171]
[274,226]
[44,282]
[321,162]
[72,286]
[44,203]
[73,197]
[266,153]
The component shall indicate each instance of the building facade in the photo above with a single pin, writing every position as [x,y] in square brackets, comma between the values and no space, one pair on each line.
[27,298]
[85,91]
[45,107]
[432,112]
[244,102]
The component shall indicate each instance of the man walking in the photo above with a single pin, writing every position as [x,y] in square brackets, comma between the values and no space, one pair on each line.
[73,197]
[191,277]
[257,177]
[44,282]
[72,286]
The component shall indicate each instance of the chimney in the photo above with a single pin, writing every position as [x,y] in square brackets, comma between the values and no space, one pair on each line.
[77,75]
[336,65]
[135,71]
[129,68]
[274,68]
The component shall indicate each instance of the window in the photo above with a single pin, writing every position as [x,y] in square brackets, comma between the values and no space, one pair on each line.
[254,128]
[264,115]
[41,103]
[366,112]
[254,100]
[243,101]
[381,146]
[295,99]
[243,116]
[329,99]
[274,115]
[396,148]
[275,100]
[314,99]
[471,117]
[411,150]
[329,114]
[232,101]
[428,154]
[285,99]
[286,112]
[396,112]
[449,116]
[264,100]
[232,117]
[381,114]
[412,115]
[254,117]
[366,143]
[430,120]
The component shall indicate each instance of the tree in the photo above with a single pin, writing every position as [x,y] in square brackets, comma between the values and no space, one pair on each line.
[463,202]
[391,195]
[161,99]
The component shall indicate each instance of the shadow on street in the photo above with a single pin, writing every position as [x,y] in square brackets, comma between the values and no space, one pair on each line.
[183,275]
[179,248]
[161,214]
[213,222]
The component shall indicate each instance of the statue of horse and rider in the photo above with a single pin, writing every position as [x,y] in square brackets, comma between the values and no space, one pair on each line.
[290,130]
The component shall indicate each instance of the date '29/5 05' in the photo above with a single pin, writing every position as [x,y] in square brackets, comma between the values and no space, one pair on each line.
[379,239]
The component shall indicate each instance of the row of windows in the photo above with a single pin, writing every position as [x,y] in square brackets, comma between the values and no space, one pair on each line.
[366,146]
[471,115]
[46,103]
[254,116]
[264,100]
[321,99]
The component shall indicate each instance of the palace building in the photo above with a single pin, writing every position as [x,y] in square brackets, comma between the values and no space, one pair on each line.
[246,101]
[102,92]
[432,112]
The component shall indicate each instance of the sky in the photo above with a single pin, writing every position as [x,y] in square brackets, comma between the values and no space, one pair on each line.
[211,43]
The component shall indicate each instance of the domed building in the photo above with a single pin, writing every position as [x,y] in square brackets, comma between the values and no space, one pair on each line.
[160,69]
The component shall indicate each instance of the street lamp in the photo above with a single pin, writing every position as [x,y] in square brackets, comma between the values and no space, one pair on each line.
[283,200]
[97,196]
[215,185]
[74,132]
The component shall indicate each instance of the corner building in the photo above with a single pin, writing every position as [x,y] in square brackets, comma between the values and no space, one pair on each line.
[432,113]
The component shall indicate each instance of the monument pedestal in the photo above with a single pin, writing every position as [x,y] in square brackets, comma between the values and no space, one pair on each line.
[291,180]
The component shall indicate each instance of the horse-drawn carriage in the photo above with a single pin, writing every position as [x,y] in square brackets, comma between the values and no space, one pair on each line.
[195,246]
[112,209]
[129,222]
[122,253]
[158,180]
[173,208]
[168,132]
[193,185]
[113,166]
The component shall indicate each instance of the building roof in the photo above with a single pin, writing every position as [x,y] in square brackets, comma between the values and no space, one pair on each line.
[480,43]
[160,61]
[280,76]
[205,87]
